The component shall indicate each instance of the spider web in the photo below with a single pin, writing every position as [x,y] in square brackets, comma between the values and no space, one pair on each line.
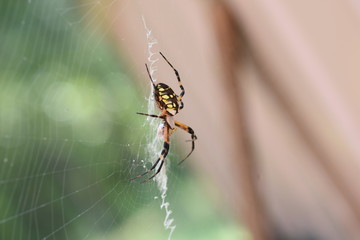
[162,178]
[70,139]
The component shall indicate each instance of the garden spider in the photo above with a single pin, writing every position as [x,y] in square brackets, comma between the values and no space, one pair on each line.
[169,103]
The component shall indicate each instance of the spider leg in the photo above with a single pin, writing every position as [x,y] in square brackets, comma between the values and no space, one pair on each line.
[150,115]
[157,172]
[152,81]
[178,78]
[193,137]
[152,168]
[181,104]
[163,154]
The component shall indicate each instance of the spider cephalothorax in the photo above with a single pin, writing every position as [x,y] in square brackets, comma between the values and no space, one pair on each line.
[169,103]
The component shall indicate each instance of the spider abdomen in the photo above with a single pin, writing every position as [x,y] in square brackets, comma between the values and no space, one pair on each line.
[166,98]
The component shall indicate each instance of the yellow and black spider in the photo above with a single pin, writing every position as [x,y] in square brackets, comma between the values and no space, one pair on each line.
[169,103]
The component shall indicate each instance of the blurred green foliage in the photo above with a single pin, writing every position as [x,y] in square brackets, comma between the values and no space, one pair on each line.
[65,108]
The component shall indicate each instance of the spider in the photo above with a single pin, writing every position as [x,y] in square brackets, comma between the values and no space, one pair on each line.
[169,103]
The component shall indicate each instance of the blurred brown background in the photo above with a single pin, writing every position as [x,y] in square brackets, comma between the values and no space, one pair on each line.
[272,92]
